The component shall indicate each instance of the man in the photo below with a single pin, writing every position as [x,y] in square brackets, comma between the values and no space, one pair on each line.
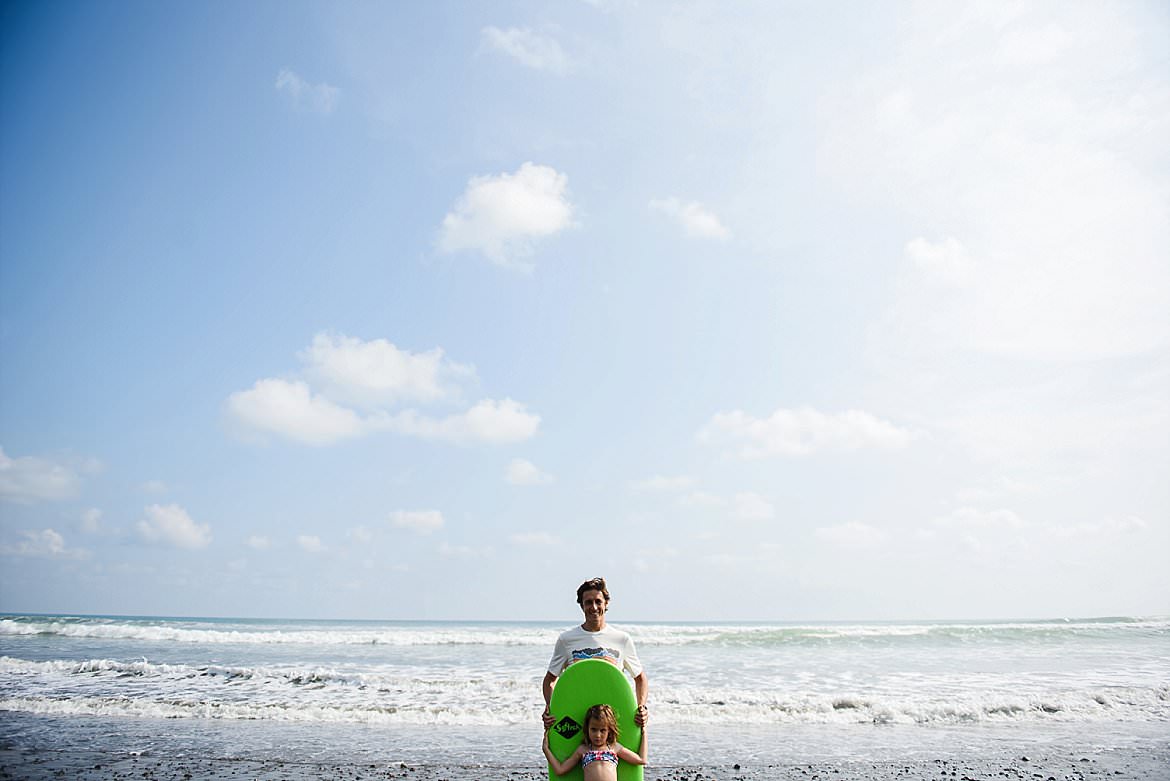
[593,639]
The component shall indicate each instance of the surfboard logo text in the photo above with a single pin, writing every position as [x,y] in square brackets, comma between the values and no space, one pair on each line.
[567,727]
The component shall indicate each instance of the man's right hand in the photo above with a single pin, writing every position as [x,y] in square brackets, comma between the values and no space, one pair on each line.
[546,689]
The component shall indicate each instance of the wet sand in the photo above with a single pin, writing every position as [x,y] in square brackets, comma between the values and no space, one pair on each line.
[90,765]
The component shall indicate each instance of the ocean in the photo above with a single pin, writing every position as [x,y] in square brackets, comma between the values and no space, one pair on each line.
[469,692]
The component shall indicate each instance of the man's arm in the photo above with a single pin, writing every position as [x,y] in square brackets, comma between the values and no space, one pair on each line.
[641,691]
[546,688]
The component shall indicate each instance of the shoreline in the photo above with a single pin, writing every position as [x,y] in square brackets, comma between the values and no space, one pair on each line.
[1147,762]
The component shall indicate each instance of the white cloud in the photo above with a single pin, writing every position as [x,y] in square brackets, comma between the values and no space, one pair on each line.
[494,421]
[1045,176]
[417,521]
[1109,526]
[1031,47]
[28,479]
[852,535]
[947,261]
[290,409]
[465,552]
[529,48]
[258,542]
[701,499]
[659,483]
[524,472]
[46,543]
[349,369]
[487,421]
[799,432]
[743,506]
[154,487]
[320,98]
[971,518]
[502,216]
[655,559]
[172,525]
[1046,421]
[91,521]
[980,531]
[695,219]
[751,506]
[767,556]
[360,534]
[310,543]
[374,373]
[1008,542]
[1002,485]
[539,539]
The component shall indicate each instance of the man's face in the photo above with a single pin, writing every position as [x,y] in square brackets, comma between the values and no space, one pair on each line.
[593,606]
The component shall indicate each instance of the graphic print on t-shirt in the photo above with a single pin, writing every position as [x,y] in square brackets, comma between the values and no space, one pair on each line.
[608,654]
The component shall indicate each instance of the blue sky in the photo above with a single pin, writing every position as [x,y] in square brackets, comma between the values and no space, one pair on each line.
[390,310]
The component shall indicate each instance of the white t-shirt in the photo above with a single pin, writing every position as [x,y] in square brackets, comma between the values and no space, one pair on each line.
[610,644]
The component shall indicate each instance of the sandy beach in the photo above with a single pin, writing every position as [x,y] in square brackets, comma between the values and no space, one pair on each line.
[1149,763]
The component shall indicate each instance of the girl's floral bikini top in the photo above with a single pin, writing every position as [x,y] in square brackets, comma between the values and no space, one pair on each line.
[605,755]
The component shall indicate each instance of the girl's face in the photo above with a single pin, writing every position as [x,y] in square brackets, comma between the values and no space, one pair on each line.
[598,733]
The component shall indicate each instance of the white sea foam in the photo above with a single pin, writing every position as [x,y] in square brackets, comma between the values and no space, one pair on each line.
[488,710]
[1090,672]
[113,668]
[442,634]
[773,634]
[294,712]
[1126,704]
[324,635]
[377,696]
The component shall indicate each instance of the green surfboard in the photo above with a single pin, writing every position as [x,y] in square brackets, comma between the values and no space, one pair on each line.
[581,686]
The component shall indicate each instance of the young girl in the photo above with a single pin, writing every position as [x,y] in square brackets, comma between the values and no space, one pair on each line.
[600,751]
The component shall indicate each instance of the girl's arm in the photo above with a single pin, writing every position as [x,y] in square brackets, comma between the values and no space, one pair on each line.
[560,768]
[626,755]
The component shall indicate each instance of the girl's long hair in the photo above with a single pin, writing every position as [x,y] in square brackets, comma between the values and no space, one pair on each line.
[605,715]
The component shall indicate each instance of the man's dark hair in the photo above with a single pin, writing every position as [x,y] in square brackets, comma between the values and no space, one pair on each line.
[593,584]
